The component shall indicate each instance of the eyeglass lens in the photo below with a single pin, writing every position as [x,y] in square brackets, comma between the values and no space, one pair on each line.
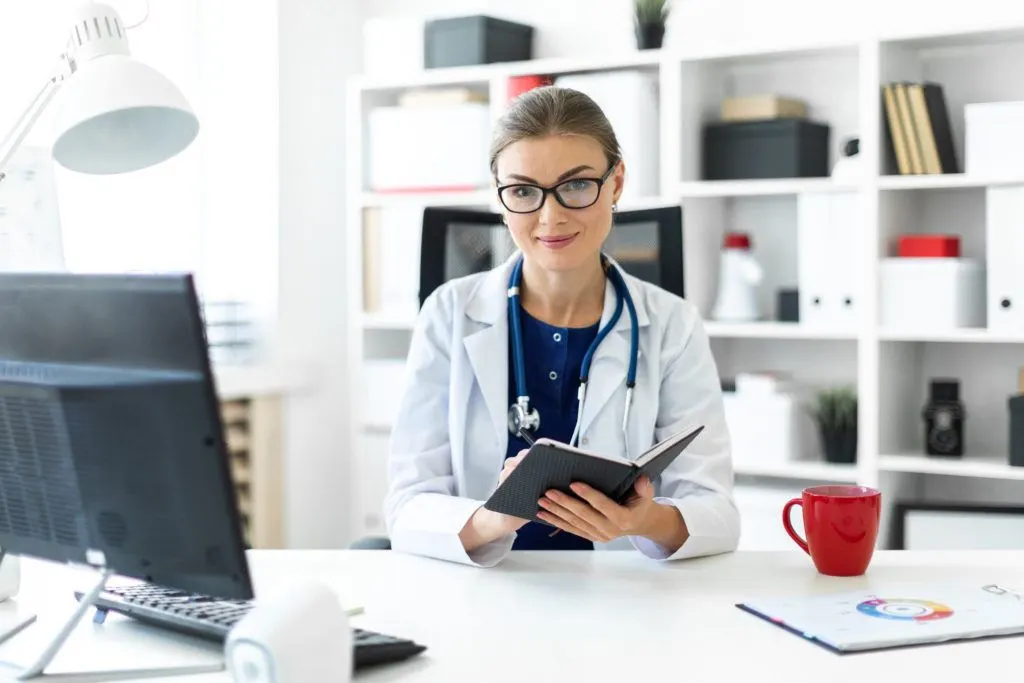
[575,194]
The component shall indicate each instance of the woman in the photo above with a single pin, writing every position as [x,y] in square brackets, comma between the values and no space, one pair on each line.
[558,171]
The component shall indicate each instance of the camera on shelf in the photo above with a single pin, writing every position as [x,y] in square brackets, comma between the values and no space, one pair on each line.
[944,417]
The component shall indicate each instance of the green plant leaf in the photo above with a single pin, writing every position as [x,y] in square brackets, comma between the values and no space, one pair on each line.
[651,11]
[835,409]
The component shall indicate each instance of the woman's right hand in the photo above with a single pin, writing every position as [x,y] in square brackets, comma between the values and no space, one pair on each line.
[486,525]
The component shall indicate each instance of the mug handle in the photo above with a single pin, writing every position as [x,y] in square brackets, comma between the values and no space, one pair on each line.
[789,525]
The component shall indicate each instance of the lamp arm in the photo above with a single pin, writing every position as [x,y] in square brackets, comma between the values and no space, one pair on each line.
[21,128]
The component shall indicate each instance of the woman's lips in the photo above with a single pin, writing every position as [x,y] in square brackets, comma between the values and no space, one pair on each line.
[557,241]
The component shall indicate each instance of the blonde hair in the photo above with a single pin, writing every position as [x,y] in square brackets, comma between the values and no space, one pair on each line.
[550,110]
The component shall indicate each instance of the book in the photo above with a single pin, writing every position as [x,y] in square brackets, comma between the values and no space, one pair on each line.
[552,465]
[919,138]
[901,615]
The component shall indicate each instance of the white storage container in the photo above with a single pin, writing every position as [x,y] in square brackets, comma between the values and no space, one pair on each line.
[768,430]
[1004,241]
[932,294]
[438,148]
[630,101]
[830,259]
[994,139]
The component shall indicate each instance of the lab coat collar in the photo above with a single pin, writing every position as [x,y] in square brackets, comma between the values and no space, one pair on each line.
[488,305]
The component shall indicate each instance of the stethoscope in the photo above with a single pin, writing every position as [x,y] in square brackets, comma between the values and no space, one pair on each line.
[521,418]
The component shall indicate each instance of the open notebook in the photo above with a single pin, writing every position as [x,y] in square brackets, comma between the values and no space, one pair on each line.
[901,615]
[553,465]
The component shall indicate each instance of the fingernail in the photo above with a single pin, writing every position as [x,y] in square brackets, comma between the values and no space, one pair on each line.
[578,488]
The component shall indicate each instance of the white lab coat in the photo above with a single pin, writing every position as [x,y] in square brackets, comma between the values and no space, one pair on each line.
[449,441]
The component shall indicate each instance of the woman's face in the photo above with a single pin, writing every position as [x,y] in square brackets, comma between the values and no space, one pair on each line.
[555,237]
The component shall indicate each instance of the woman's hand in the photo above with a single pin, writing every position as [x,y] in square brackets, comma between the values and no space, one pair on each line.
[600,519]
[486,525]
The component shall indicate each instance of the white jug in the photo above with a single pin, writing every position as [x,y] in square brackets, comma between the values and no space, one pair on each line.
[739,276]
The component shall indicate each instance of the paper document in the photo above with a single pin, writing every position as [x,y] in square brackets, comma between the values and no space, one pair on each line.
[900,615]
[30,229]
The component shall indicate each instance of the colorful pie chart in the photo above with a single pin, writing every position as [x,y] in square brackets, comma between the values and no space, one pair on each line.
[904,610]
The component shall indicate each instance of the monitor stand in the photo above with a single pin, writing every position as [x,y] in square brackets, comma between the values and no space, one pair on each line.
[43,659]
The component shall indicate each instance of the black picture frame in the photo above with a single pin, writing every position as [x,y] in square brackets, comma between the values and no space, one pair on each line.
[902,510]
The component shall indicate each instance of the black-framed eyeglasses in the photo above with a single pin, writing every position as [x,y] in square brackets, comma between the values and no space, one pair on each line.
[575,193]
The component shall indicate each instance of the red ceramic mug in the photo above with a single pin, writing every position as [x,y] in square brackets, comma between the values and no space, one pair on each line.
[841,523]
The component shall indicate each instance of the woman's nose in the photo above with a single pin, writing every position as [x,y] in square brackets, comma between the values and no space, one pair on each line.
[551,212]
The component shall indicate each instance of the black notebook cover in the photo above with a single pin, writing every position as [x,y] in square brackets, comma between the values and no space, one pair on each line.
[552,465]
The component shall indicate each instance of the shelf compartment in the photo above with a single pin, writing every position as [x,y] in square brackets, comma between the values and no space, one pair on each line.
[985,467]
[755,187]
[775,330]
[807,471]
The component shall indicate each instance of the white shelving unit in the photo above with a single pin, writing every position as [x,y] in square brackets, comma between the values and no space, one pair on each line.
[890,368]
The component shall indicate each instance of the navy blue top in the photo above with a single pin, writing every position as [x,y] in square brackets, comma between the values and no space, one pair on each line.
[553,357]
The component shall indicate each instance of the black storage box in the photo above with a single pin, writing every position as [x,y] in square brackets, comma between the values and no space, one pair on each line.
[463,41]
[777,148]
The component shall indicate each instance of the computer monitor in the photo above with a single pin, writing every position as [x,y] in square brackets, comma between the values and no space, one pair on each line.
[111,445]
[647,243]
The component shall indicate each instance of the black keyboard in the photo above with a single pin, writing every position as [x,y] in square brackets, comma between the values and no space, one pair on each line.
[212,618]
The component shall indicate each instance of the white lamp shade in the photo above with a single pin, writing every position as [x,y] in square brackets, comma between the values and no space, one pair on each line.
[117,115]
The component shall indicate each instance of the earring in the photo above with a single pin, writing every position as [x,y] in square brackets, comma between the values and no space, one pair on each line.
[615,207]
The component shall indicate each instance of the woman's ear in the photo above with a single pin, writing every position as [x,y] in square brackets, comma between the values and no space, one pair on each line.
[619,178]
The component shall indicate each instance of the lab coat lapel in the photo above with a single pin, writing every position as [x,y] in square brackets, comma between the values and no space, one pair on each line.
[610,364]
[487,347]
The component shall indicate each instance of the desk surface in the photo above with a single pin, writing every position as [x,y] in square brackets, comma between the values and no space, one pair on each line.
[570,616]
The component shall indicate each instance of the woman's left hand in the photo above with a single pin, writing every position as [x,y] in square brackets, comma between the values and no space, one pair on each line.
[600,519]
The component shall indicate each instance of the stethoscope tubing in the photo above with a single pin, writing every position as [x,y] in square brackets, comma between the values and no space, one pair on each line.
[519,363]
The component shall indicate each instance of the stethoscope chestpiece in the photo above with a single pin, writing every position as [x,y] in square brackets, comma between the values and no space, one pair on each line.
[521,418]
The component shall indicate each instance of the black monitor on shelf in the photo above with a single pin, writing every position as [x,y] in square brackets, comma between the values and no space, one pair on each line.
[111,446]
[647,243]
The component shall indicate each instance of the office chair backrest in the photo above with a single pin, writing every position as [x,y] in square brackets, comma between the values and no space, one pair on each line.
[647,243]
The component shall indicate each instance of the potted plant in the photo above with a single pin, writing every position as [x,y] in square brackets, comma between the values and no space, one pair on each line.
[835,412]
[650,23]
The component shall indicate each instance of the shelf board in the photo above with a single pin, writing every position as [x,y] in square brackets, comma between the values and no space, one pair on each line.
[774,330]
[987,467]
[940,181]
[389,321]
[480,74]
[754,188]
[809,471]
[482,198]
[970,335]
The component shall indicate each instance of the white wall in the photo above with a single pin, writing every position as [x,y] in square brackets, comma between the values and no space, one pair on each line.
[319,49]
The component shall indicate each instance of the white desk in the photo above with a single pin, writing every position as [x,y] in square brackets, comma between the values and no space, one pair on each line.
[584,616]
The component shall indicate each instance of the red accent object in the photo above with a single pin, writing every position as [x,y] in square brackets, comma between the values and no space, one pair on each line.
[935,246]
[736,240]
[517,85]
[841,523]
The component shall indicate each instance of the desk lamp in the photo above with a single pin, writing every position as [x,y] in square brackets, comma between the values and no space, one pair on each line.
[113,115]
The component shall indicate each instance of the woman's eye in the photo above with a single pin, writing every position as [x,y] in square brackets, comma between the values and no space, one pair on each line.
[575,185]
[523,192]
